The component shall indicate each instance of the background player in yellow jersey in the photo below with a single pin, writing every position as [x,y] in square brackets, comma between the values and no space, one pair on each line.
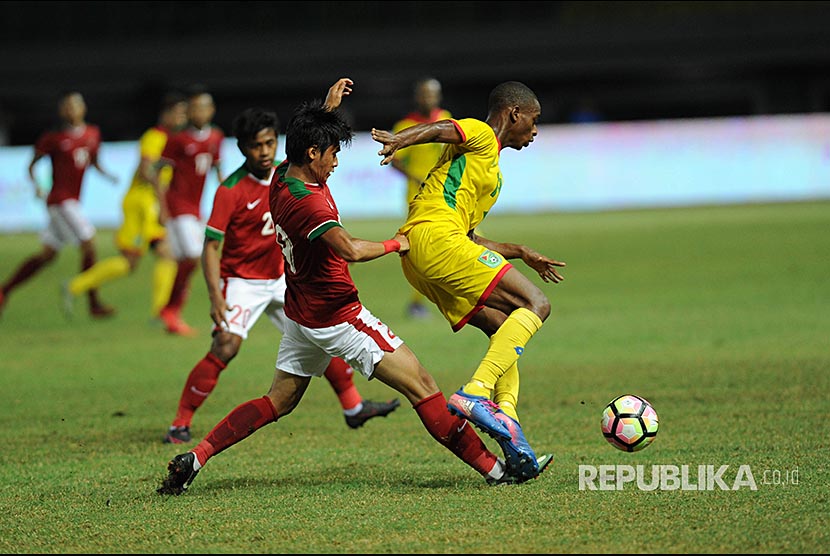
[140,228]
[467,276]
[415,161]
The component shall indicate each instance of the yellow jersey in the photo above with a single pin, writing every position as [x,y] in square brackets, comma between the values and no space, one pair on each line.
[151,146]
[464,184]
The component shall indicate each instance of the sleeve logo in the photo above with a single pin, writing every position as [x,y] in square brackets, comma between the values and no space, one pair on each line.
[490,258]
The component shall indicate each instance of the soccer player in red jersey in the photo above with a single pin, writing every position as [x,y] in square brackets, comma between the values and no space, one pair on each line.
[192,152]
[247,279]
[325,316]
[140,229]
[72,148]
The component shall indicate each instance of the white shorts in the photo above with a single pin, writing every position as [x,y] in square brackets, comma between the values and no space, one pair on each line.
[67,225]
[248,299]
[186,235]
[360,342]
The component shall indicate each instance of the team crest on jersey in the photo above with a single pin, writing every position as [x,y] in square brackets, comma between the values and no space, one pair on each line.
[490,258]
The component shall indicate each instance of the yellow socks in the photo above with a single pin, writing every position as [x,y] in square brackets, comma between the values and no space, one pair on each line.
[506,345]
[506,391]
[98,274]
[164,274]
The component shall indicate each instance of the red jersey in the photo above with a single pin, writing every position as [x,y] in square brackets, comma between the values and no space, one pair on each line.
[241,218]
[320,291]
[72,150]
[192,152]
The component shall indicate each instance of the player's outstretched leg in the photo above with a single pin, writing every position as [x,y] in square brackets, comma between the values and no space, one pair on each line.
[237,425]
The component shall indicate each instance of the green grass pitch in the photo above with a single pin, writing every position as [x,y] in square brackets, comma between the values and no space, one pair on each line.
[719,316]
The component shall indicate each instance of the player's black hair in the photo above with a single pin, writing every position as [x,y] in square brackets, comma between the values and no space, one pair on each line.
[509,94]
[312,125]
[195,90]
[171,99]
[251,121]
[68,93]
[425,79]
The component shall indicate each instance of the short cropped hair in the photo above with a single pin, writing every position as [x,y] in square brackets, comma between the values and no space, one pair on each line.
[312,125]
[66,93]
[509,94]
[195,90]
[171,99]
[251,121]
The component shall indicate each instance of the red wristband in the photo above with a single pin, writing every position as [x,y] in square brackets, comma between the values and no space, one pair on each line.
[391,245]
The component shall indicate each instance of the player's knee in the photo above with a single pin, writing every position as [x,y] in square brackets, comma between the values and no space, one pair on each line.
[422,385]
[132,260]
[225,347]
[47,256]
[542,308]
[536,301]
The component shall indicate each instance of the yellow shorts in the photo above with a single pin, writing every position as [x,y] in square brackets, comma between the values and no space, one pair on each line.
[141,224]
[452,271]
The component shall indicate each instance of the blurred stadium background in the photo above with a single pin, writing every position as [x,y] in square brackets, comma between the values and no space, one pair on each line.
[690,102]
[619,60]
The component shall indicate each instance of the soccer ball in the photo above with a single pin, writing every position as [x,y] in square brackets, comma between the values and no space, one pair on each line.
[629,423]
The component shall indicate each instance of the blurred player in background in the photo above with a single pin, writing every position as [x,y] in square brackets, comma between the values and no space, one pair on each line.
[467,276]
[72,148]
[325,317]
[248,279]
[140,228]
[415,161]
[192,153]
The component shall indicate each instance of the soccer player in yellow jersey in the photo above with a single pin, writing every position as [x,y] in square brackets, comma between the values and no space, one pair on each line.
[140,229]
[415,161]
[469,277]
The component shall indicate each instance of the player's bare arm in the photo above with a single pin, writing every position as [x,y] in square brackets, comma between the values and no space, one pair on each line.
[111,177]
[211,256]
[355,250]
[342,88]
[38,192]
[443,131]
[544,266]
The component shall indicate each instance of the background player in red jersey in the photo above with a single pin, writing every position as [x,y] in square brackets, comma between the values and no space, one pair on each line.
[325,316]
[72,148]
[247,279]
[140,229]
[192,152]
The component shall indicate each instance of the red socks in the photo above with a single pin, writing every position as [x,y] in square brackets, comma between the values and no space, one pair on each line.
[180,285]
[455,433]
[239,424]
[340,376]
[200,383]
